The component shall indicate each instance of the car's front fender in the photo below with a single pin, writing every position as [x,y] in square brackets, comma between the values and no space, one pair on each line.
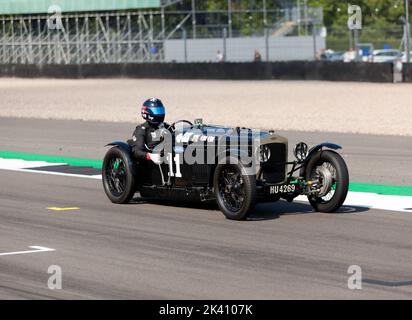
[314,150]
[126,148]
[121,145]
[320,146]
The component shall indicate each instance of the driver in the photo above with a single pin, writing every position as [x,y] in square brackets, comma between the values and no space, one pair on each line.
[144,138]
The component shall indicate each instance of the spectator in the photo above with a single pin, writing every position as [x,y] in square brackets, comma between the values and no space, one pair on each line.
[323,54]
[258,56]
[349,56]
[220,57]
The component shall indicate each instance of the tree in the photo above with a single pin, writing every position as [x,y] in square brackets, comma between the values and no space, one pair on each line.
[374,12]
[380,20]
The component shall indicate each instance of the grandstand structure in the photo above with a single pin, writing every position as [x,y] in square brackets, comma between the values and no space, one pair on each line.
[101,31]
[78,32]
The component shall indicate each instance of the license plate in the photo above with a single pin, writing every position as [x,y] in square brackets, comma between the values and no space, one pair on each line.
[284,188]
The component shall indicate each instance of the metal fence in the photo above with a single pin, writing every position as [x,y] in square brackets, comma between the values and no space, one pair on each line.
[341,39]
[243,49]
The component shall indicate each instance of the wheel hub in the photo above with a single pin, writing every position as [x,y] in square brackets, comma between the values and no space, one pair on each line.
[326,180]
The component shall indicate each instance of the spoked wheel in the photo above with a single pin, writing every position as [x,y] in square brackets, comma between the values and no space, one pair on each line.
[329,174]
[232,188]
[235,192]
[118,180]
[116,176]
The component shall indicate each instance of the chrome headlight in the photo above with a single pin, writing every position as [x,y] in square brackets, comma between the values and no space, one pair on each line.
[263,153]
[301,151]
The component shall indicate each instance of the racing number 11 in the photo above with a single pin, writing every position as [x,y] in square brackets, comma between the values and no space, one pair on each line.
[177,161]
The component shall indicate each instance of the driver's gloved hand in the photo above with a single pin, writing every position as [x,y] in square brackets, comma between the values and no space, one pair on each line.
[155,158]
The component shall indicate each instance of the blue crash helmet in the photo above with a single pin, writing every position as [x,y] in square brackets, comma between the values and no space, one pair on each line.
[153,111]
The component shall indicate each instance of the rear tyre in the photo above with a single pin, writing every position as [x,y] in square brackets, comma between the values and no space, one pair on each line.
[235,192]
[119,183]
[329,168]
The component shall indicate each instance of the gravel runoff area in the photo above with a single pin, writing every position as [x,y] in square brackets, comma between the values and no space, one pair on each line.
[346,107]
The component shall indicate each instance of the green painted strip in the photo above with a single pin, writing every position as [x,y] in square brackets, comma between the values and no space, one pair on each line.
[78,162]
[381,189]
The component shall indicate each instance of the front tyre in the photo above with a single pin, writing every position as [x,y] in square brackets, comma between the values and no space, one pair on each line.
[119,182]
[329,172]
[235,192]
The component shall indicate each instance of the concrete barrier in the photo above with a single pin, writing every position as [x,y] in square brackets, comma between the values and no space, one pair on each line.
[290,70]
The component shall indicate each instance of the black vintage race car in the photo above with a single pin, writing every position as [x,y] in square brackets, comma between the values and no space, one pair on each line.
[236,167]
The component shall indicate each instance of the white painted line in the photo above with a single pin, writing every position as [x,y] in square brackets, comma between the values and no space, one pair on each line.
[96,177]
[10,164]
[23,165]
[359,199]
[37,249]
[378,201]
[374,201]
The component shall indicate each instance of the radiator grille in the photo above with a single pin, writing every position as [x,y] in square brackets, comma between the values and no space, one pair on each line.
[273,171]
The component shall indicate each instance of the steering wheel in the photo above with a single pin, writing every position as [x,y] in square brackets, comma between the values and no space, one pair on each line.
[172,127]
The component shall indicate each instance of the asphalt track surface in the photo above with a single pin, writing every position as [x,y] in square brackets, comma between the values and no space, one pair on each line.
[165,251]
